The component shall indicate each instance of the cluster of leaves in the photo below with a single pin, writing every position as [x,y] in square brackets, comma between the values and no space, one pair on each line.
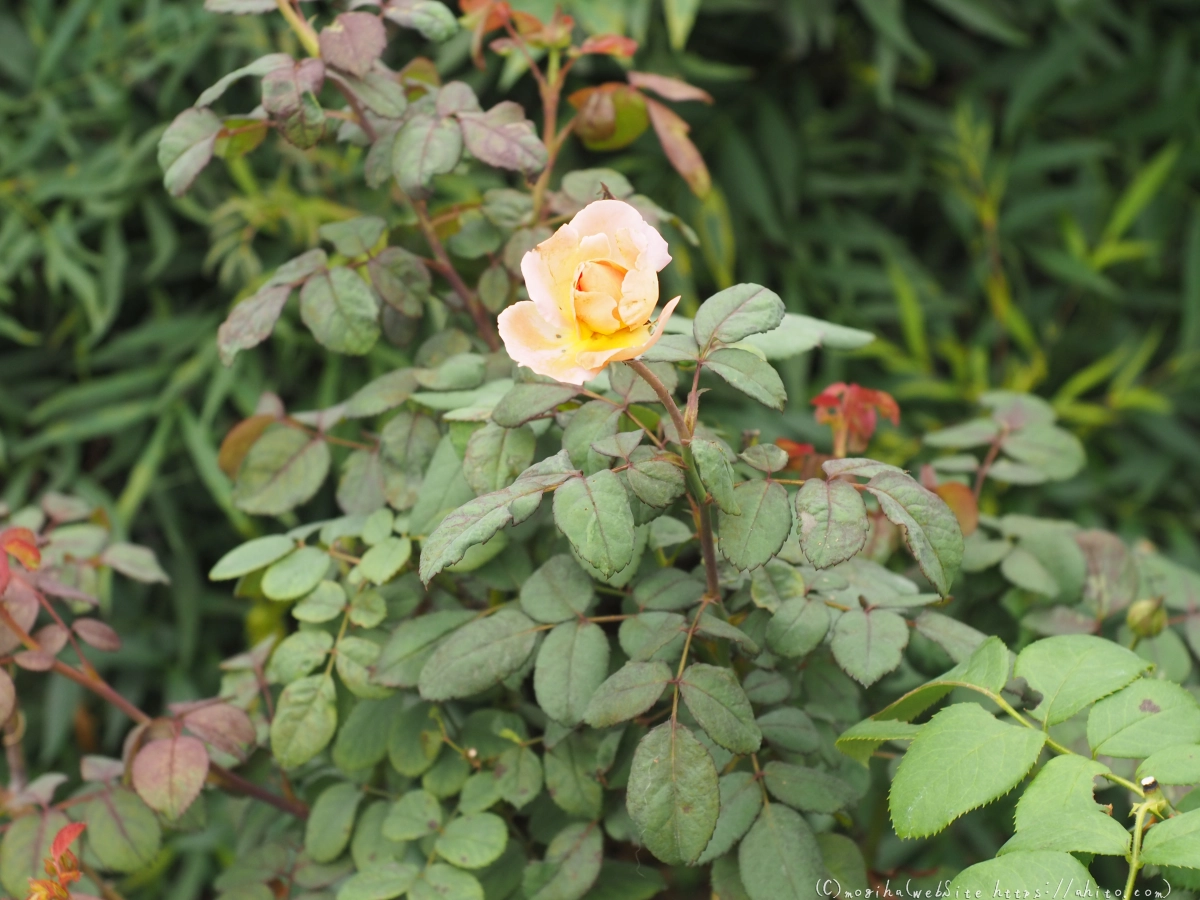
[584,676]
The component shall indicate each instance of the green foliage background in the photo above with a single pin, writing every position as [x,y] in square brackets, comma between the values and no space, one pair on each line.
[880,165]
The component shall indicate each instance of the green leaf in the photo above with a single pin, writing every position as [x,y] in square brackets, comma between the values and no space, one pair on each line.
[496,456]
[473,841]
[711,626]
[525,402]
[779,858]
[750,539]
[1173,765]
[654,480]
[593,513]
[961,759]
[930,528]
[668,589]
[570,769]
[741,800]
[354,237]
[341,310]
[425,146]
[720,706]
[251,556]
[979,16]
[987,667]
[626,881]
[766,458]
[887,19]
[788,728]
[798,334]
[416,814]
[382,881]
[518,775]
[736,313]
[571,665]
[442,882]
[775,584]
[592,422]
[296,574]
[330,822]
[283,469]
[1143,718]
[298,655]
[381,563]
[657,635]
[833,521]
[480,519]
[479,655]
[558,591]
[627,693]
[1174,842]
[25,847]
[976,433]
[869,644]
[681,16]
[412,643]
[860,741]
[132,561]
[798,627]
[1072,671]
[1030,871]
[362,740]
[750,374]
[1059,812]
[809,790]
[1051,450]
[122,831]
[715,474]
[572,864]
[305,720]
[673,796]
[1145,185]
[326,601]
[185,148]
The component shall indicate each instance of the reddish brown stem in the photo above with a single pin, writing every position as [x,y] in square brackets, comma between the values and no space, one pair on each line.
[483,322]
[101,688]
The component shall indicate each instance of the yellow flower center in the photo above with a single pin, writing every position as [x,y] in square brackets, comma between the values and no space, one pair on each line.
[598,295]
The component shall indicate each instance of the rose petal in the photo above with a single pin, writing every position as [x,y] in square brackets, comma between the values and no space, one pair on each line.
[533,342]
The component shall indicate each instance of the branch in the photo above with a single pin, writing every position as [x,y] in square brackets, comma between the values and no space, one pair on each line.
[487,328]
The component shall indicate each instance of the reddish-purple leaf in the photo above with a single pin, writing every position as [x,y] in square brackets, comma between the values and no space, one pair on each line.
[669,88]
[100,768]
[65,508]
[168,774]
[55,588]
[353,41]
[97,634]
[457,97]
[8,696]
[22,605]
[672,133]
[40,790]
[284,88]
[224,727]
[51,639]
[503,137]
[251,321]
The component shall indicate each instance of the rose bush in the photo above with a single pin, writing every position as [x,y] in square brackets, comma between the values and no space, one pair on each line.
[652,681]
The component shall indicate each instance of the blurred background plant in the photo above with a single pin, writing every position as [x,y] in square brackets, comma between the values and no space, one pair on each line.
[999,191]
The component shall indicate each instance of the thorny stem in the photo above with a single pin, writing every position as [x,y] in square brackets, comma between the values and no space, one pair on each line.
[708,546]
[985,467]
[229,781]
[1135,861]
[483,322]
[304,31]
